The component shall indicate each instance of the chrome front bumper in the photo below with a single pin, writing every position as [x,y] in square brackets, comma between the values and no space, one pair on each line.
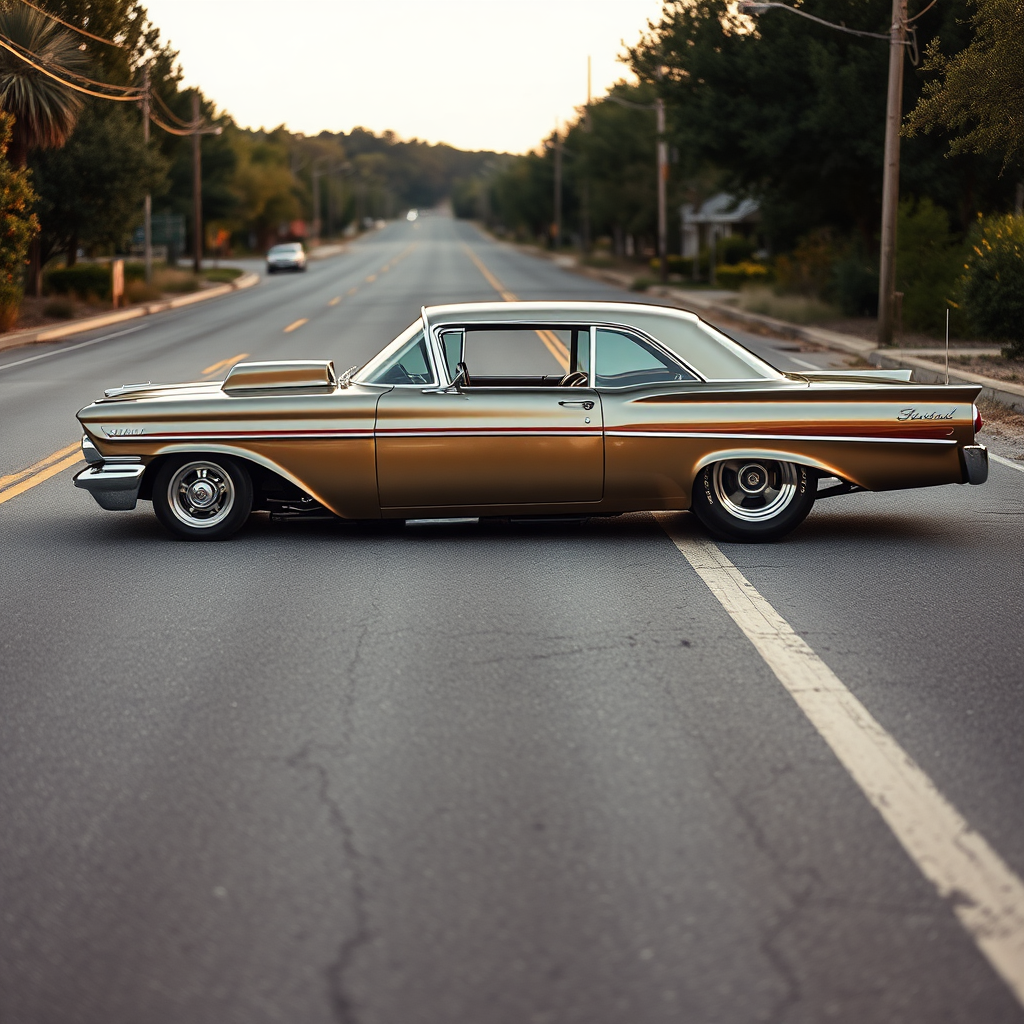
[974,462]
[114,484]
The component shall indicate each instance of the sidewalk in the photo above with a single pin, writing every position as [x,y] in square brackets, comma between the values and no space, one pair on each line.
[116,316]
[54,332]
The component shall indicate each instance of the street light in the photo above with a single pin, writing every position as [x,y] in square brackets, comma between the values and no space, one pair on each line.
[891,171]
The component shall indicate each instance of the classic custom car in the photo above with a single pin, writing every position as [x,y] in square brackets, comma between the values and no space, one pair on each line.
[528,409]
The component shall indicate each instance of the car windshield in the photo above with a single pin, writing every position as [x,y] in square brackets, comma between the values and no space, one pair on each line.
[280,250]
[404,361]
[712,354]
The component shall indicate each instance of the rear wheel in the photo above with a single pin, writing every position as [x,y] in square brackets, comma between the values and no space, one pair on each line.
[753,499]
[202,497]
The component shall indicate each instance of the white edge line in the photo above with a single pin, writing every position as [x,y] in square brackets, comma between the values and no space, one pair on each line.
[802,362]
[71,348]
[1006,462]
[980,888]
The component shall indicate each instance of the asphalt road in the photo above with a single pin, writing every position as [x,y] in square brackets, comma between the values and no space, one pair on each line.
[478,773]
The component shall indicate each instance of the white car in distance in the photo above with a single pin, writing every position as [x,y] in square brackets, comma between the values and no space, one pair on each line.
[286,256]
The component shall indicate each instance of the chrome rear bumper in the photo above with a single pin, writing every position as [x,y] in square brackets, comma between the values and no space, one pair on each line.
[114,484]
[974,462]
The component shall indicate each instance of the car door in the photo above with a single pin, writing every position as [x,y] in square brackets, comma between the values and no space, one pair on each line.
[481,446]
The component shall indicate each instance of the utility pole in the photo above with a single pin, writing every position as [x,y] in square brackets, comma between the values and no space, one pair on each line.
[197,189]
[558,188]
[659,107]
[147,203]
[585,190]
[891,177]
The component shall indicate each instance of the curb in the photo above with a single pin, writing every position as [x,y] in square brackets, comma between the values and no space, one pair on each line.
[1002,391]
[41,334]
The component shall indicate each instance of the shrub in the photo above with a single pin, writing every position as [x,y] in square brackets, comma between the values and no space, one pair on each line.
[738,275]
[676,265]
[927,263]
[139,291]
[172,280]
[991,290]
[83,280]
[808,269]
[63,309]
[734,249]
[640,284]
[855,283]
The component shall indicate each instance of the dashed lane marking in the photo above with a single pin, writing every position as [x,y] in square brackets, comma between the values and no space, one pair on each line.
[371,279]
[296,324]
[980,888]
[334,301]
[225,364]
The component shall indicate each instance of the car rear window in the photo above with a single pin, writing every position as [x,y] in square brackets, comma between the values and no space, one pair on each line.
[713,355]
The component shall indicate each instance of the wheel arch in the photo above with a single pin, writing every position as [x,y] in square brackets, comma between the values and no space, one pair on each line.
[773,455]
[250,460]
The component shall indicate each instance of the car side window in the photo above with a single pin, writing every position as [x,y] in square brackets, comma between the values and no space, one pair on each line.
[451,346]
[621,360]
[409,365]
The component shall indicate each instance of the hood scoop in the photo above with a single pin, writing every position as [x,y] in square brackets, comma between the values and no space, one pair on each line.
[291,373]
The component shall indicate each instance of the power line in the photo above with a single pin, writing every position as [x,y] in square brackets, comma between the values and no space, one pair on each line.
[74,28]
[130,98]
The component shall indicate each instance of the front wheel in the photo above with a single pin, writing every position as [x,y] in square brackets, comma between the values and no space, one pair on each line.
[205,497]
[753,499]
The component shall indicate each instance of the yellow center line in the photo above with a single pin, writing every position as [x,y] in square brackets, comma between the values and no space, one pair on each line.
[225,364]
[14,478]
[45,473]
[551,340]
[296,324]
[334,301]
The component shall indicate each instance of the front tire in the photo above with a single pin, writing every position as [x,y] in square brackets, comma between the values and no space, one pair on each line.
[753,499]
[202,497]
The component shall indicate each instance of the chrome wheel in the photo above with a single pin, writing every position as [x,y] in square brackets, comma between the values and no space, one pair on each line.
[201,494]
[752,490]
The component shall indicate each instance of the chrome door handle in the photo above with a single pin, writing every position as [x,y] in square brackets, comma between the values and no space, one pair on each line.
[586,405]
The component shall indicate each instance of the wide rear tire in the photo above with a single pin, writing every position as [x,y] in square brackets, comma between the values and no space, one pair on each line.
[202,497]
[753,499]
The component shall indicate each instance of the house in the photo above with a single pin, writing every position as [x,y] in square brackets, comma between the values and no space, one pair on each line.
[719,217]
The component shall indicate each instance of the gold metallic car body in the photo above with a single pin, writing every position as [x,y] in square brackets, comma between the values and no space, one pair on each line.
[368,451]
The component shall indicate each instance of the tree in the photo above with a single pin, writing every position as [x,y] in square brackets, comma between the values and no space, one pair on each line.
[91,191]
[793,113]
[18,226]
[978,96]
[44,111]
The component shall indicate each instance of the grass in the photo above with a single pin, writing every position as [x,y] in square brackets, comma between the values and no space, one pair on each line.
[222,275]
[798,309]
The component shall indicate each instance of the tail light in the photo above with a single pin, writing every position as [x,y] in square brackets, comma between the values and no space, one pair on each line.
[978,421]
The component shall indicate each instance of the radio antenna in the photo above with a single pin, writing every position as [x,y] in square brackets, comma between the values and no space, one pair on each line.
[947,344]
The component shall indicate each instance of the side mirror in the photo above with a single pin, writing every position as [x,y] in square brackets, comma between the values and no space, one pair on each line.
[461,376]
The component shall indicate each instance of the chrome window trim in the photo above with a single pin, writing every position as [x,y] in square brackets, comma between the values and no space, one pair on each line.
[433,383]
[593,326]
[636,332]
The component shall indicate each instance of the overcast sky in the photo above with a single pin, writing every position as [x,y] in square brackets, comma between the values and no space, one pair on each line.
[478,74]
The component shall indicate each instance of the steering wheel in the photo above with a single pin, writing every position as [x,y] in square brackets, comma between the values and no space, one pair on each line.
[576,379]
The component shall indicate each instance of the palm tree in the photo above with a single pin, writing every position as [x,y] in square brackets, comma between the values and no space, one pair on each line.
[45,111]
